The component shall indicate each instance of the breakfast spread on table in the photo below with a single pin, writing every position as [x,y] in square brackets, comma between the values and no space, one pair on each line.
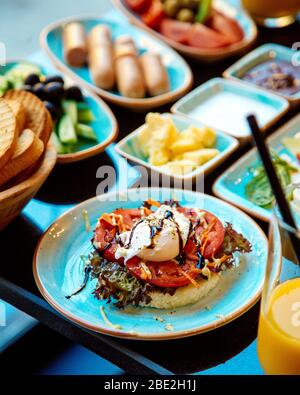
[194,23]
[115,63]
[199,260]
[160,255]
[173,151]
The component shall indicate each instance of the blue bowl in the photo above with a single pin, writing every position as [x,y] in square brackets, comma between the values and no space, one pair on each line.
[231,185]
[129,149]
[262,54]
[104,125]
[179,73]
[224,105]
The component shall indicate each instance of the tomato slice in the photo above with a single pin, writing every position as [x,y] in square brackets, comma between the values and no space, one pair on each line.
[228,27]
[164,274]
[154,14]
[131,216]
[175,30]
[104,234]
[110,253]
[215,236]
[201,36]
[138,6]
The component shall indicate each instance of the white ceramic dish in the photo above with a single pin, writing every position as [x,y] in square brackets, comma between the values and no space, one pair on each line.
[224,104]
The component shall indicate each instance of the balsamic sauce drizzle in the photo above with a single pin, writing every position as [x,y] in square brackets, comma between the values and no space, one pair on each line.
[87,271]
[155,229]
[200,263]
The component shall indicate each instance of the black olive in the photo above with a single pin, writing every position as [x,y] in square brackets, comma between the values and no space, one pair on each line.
[32,79]
[39,90]
[54,78]
[54,91]
[28,88]
[54,110]
[74,93]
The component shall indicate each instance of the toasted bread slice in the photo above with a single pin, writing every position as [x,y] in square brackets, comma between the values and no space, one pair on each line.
[23,175]
[28,150]
[35,110]
[184,295]
[48,127]
[8,133]
[19,112]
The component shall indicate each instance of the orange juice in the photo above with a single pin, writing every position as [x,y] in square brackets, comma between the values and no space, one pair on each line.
[279,330]
[272,8]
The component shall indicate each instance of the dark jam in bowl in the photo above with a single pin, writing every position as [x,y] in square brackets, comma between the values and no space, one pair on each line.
[276,75]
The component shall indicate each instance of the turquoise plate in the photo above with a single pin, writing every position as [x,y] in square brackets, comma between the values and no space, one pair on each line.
[58,268]
[262,54]
[129,149]
[224,104]
[104,125]
[232,183]
[180,75]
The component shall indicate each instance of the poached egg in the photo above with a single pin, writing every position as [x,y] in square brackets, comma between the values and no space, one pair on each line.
[158,237]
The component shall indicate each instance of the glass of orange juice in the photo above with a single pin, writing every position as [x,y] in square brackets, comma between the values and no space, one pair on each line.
[273,13]
[279,321]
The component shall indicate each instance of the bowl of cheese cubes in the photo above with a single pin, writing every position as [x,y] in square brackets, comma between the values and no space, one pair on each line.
[175,146]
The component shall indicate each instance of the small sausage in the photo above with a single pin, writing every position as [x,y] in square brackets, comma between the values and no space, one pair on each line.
[156,76]
[75,48]
[99,35]
[129,75]
[101,63]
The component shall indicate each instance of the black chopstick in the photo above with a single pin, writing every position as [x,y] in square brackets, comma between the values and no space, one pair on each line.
[278,192]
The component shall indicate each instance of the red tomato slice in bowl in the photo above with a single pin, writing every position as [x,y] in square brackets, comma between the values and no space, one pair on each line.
[175,30]
[154,14]
[138,6]
[201,36]
[228,27]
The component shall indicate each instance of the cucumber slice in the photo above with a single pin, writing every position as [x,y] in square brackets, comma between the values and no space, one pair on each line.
[4,85]
[203,11]
[70,108]
[57,144]
[66,130]
[17,74]
[85,115]
[85,131]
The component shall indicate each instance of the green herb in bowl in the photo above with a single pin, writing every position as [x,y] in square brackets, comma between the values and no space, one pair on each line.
[259,191]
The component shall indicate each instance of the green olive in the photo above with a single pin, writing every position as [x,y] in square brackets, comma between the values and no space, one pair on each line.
[185,15]
[171,7]
[191,4]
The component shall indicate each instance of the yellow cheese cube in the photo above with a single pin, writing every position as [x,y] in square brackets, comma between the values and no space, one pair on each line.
[158,133]
[179,167]
[159,156]
[182,145]
[208,137]
[194,133]
[200,156]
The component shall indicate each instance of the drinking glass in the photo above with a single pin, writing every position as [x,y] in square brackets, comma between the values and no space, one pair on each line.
[273,13]
[279,321]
